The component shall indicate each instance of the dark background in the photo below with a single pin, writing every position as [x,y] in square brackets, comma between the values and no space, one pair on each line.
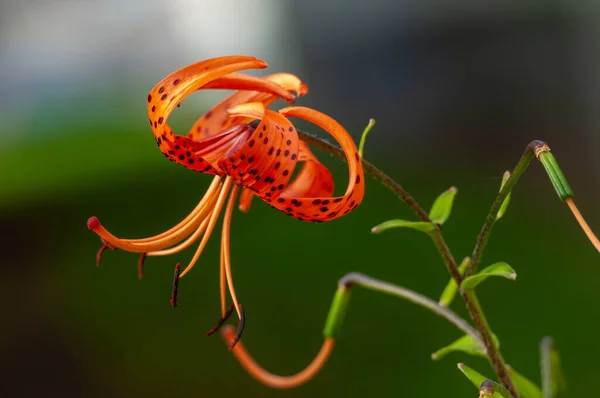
[458,90]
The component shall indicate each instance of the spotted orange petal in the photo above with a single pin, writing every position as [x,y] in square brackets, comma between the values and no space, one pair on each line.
[170,91]
[264,164]
[324,208]
[265,90]
[314,179]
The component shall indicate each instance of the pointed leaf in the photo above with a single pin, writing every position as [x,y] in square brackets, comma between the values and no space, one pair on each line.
[477,379]
[498,269]
[525,387]
[451,288]
[418,225]
[465,344]
[442,207]
[506,201]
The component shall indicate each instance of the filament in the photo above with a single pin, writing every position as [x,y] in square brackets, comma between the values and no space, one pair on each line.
[584,225]
[223,284]
[208,195]
[185,244]
[214,215]
[165,239]
[276,381]
[225,248]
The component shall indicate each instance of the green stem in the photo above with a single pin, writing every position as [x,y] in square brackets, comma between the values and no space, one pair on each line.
[484,235]
[341,298]
[546,366]
[492,351]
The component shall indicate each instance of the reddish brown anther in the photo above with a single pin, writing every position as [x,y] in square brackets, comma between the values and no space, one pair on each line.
[141,265]
[101,250]
[240,329]
[175,285]
[222,320]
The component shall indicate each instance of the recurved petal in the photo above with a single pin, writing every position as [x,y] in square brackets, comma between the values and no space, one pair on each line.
[265,163]
[170,91]
[314,179]
[325,208]
[252,89]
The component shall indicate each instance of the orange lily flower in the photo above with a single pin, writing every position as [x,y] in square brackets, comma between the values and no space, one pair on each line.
[245,146]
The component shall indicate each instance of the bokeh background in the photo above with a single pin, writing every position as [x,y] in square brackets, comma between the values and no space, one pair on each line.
[458,90]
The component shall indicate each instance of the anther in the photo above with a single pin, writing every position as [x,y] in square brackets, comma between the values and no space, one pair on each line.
[140,265]
[240,329]
[221,321]
[175,285]
[105,246]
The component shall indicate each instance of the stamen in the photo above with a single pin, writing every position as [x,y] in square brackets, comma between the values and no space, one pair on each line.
[211,224]
[225,238]
[271,379]
[101,250]
[141,265]
[221,321]
[223,282]
[163,240]
[175,286]
[584,225]
[185,244]
[212,188]
[240,328]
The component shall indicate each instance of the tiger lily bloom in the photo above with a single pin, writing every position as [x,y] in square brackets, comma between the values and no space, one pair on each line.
[246,147]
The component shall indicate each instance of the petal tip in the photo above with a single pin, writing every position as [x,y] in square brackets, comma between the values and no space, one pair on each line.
[261,64]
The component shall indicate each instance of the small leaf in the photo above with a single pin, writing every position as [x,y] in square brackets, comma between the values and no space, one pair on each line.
[497,269]
[465,344]
[478,380]
[363,137]
[442,207]
[525,387]
[451,288]
[418,225]
[506,201]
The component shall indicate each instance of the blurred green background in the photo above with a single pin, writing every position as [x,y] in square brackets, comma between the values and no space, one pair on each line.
[457,90]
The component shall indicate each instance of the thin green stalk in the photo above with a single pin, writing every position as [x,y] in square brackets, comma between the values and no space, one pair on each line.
[340,304]
[484,235]
[546,366]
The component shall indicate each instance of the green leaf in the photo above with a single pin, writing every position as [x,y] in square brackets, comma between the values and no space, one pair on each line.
[363,137]
[465,344]
[451,288]
[525,387]
[418,225]
[442,207]
[506,201]
[497,269]
[477,379]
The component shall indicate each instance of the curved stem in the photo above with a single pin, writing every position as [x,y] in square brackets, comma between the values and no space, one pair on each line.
[484,235]
[370,283]
[337,313]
